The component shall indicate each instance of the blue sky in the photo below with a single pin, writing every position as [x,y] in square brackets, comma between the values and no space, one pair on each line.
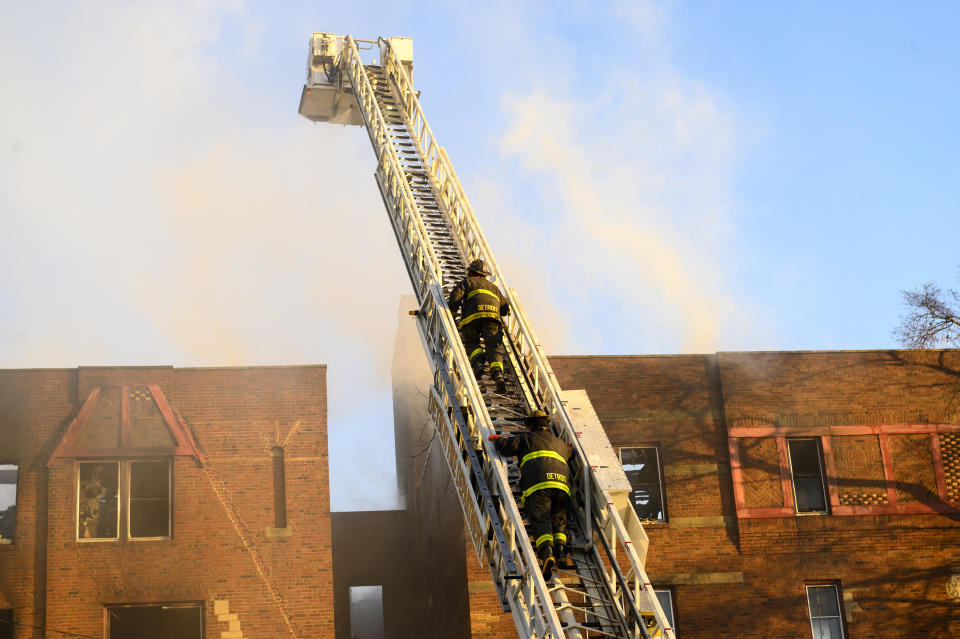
[654,177]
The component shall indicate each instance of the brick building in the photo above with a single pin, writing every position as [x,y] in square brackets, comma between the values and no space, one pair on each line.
[184,501]
[154,502]
[782,481]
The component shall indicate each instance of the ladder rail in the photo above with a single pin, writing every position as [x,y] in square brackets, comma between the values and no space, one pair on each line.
[534,612]
[519,331]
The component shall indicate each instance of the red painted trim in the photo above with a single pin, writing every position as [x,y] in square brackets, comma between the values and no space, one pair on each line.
[938,466]
[124,417]
[898,509]
[73,430]
[831,469]
[185,443]
[887,459]
[115,453]
[766,513]
[737,476]
[786,477]
[860,429]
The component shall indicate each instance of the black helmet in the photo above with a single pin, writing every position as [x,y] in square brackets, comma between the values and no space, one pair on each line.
[477,267]
[536,419]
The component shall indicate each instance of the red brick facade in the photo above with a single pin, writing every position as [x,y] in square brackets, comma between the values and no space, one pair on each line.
[733,551]
[224,552]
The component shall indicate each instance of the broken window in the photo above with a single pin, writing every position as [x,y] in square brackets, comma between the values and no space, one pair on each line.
[155,621]
[8,503]
[806,466]
[824,605]
[642,467]
[98,500]
[149,513]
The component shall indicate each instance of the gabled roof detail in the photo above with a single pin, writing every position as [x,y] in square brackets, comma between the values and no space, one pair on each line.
[130,421]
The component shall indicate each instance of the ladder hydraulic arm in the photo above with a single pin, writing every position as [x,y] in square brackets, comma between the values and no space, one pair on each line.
[606,593]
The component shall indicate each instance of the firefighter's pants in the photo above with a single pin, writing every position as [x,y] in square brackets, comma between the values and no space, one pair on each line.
[492,334]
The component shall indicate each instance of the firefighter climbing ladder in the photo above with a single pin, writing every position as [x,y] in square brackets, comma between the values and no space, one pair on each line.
[606,593]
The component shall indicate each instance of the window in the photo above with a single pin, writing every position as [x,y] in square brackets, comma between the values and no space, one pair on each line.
[366,612]
[806,466]
[155,621]
[8,505]
[665,597]
[6,624]
[98,496]
[642,466]
[144,500]
[825,619]
[149,510]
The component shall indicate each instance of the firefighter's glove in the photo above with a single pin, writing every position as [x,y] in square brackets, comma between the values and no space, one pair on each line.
[493,437]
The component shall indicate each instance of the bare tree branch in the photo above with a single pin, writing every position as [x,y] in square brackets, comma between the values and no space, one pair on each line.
[932,318]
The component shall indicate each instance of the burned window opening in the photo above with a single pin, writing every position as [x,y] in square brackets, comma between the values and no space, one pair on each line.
[642,467]
[6,624]
[98,500]
[155,621]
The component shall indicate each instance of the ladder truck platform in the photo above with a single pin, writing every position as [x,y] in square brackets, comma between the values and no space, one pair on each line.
[606,592]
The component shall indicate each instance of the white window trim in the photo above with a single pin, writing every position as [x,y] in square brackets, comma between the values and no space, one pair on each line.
[836,592]
[123,500]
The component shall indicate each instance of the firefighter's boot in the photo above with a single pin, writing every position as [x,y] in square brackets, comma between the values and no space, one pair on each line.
[563,560]
[547,562]
[498,378]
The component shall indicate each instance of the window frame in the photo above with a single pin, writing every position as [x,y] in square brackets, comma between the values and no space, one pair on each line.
[672,612]
[841,613]
[129,498]
[821,466]
[16,501]
[660,483]
[124,477]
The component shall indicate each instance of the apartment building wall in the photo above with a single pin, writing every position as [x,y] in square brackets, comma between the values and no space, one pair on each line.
[224,552]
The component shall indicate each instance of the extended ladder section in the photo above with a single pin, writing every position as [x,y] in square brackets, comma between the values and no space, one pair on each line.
[606,593]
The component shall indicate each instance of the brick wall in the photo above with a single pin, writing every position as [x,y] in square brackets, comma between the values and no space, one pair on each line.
[223,547]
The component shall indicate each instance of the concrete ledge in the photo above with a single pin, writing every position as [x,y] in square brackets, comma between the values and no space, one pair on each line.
[702,522]
[279,532]
[689,470]
[698,578]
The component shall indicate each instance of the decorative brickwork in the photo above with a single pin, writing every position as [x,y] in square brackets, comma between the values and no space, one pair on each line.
[913,469]
[950,453]
[860,478]
[760,464]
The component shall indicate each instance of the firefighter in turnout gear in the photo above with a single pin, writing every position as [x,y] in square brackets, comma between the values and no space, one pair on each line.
[545,486]
[482,305]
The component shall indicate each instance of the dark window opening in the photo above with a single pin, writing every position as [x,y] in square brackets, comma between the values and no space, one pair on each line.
[156,621]
[642,467]
[98,500]
[150,499]
[8,503]
[824,606]
[279,488]
[806,466]
[6,624]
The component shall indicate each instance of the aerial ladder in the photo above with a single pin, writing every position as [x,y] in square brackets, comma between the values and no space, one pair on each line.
[606,593]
